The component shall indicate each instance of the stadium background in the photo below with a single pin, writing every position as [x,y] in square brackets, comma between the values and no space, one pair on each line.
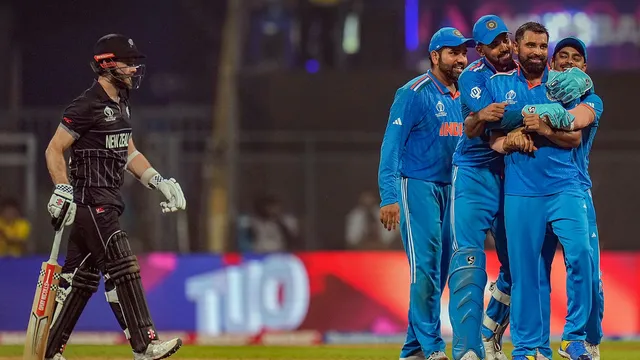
[230,109]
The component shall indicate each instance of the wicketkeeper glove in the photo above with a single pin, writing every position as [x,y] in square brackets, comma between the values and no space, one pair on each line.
[557,116]
[569,85]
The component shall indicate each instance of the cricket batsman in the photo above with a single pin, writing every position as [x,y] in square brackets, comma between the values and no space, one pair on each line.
[97,129]
[414,180]
[540,191]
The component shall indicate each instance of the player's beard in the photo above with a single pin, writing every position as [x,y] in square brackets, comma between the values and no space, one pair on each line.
[531,67]
[451,71]
[503,61]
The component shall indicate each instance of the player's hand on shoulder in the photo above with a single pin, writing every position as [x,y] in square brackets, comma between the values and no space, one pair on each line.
[390,216]
[172,192]
[62,194]
[493,112]
[569,85]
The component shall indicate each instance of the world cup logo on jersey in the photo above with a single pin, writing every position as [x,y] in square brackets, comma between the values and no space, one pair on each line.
[109,114]
[510,97]
[440,109]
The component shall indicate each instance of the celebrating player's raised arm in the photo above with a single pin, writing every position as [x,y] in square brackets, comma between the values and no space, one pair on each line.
[407,109]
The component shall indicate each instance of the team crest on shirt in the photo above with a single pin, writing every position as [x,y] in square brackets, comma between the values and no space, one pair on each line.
[109,114]
[440,109]
[509,97]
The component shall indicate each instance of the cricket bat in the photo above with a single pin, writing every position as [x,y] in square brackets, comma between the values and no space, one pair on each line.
[35,343]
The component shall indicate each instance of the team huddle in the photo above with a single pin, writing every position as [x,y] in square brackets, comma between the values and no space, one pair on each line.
[497,146]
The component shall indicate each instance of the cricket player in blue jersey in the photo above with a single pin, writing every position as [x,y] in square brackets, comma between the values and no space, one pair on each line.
[477,200]
[476,205]
[541,190]
[414,180]
[570,54]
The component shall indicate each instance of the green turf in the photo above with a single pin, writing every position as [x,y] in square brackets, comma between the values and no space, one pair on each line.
[610,351]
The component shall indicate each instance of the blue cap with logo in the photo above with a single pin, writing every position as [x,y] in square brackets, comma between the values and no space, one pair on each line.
[448,37]
[574,42]
[487,28]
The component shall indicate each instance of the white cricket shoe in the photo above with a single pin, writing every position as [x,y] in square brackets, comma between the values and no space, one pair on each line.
[57,356]
[159,349]
[493,350]
[438,355]
[594,350]
[417,356]
[470,355]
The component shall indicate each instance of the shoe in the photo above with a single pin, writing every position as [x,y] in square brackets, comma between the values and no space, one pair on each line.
[574,350]
[470,355]
[57,356]
[492,349]
[416,356]
[594,350]
[438,355]
[159,349]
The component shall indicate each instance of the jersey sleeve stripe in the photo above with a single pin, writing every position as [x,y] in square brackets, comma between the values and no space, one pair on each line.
[74,134]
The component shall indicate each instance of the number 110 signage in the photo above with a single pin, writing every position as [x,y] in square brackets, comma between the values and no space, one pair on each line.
[267,294]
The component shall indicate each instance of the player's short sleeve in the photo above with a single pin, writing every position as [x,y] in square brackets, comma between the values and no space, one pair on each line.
[77,118]
[473,90]
[595,103]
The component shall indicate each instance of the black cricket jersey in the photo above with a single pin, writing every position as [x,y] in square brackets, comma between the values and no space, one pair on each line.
[101,129]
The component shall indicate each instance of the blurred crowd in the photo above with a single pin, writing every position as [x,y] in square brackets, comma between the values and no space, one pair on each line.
[14,229]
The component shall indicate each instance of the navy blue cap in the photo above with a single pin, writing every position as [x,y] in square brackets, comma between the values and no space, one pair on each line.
[448,37]
[487,28]
[574,42]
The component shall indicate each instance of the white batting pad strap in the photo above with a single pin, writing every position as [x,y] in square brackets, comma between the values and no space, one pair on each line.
[490,324]
[112,296]
[130,157]
[147,176]
[499,295]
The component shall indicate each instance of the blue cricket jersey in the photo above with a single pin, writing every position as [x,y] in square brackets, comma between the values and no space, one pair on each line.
[424,125]
[549,170]
[581,153]
[474,97]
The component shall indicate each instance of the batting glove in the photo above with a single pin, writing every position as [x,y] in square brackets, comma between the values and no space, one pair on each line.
[171,191]
[62,193]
